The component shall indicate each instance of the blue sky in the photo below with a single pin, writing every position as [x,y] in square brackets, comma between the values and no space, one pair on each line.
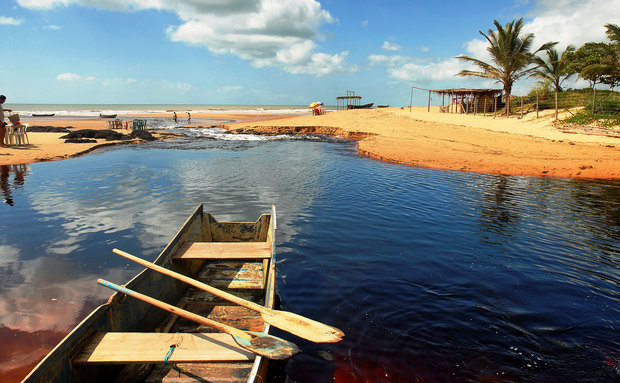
[264,51]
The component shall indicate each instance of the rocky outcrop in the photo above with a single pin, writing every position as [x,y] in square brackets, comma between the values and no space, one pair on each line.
[303,130]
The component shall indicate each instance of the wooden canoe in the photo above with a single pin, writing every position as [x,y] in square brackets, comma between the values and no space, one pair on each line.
[107,115]
[126,340]
[363,106]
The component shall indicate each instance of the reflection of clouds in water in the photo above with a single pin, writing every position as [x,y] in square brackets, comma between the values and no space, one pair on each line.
[124,205]
[147,202]
[51,302]
[242,186]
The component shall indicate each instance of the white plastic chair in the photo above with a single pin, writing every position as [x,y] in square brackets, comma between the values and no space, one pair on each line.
[22,134]
[17,134]
[9,136]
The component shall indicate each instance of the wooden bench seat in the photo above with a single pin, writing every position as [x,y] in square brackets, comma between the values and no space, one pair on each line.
[132,348]
[234,274]
[225,250]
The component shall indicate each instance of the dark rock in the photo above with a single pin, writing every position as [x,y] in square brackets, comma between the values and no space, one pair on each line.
[143,135]
[80,141]
[108,135]
[48,129]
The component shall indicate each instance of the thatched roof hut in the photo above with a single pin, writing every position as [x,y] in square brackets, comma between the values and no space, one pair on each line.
[462,100]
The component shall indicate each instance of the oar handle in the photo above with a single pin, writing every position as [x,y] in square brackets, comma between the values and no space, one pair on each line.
[193,282]
[176,310]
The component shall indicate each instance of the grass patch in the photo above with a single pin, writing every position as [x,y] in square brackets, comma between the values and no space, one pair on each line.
[605,120]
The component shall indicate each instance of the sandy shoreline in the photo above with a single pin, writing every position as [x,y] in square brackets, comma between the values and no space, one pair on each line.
[512,146]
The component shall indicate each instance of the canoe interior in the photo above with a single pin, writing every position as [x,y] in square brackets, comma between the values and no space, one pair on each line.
[251,279]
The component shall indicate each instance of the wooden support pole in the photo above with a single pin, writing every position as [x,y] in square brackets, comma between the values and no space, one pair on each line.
[521,107]
[475,104]
[593,102]
[495,110]
[429,101]
[556,104]
[536,104]
[411,100]
[484,111]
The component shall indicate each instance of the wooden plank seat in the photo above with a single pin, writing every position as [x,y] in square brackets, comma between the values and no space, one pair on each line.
[225,250]
[140,348]
[234,275]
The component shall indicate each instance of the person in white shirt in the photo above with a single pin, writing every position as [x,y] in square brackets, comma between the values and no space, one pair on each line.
[2,123]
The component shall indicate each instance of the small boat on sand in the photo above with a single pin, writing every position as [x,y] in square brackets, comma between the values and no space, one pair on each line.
[43,114]
[363,106]
[107,115]
[128,340]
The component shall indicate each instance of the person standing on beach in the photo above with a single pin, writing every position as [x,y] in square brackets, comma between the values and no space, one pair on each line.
[2,123]
[189,118]
[175,117]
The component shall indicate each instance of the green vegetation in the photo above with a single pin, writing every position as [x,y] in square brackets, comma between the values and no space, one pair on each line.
[596,62]
[511,58]
[556,68]
[584,117]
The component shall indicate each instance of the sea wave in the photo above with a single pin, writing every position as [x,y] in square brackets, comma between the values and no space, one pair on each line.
[94,110]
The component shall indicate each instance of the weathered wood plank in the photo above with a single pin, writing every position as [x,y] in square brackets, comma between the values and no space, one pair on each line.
[233,275]
[225,250]
[129,348]
[236,316]
[194,373]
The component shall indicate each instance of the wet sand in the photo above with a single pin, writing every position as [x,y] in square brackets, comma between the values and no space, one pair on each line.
[484,144]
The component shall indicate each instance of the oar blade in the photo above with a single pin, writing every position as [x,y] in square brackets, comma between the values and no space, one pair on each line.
[303,327]
[269,346]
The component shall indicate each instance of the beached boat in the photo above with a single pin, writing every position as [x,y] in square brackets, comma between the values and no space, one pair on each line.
[363,106]
[107,115]
[128,340]
[43,114]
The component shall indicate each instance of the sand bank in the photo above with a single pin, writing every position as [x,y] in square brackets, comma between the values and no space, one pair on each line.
[509,146]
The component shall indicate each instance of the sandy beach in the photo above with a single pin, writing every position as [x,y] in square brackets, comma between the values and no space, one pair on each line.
[485,144]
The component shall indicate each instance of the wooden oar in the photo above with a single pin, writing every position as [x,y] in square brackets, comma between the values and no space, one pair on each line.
[284,320]
[259,343]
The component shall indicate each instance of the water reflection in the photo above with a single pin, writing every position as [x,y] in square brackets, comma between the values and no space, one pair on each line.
[19,172]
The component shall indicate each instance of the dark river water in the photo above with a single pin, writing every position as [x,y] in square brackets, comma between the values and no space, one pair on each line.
[434,276]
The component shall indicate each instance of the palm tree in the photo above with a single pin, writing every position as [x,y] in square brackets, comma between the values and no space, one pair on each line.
[510,56]
[613,33]
[556,68]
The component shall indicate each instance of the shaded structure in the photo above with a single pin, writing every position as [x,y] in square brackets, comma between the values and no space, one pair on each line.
[348,102]
[467,101]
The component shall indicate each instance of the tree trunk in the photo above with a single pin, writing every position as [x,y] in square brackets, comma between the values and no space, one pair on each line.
[507,90]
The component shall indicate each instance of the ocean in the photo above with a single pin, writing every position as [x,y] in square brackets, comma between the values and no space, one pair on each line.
[93,110]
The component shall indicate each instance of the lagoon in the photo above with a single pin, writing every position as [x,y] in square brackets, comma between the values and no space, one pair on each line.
[438,276]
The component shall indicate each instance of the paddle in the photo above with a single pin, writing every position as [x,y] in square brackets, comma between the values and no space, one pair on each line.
[295,324]
[259,343]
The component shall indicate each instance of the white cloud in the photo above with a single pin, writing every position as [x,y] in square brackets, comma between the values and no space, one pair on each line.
[425,49]
[9,21]
[435,71]
[388,46]
[52,27]
[407,68]
[572,22]
[68,77]
[364,23]
[275,33]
